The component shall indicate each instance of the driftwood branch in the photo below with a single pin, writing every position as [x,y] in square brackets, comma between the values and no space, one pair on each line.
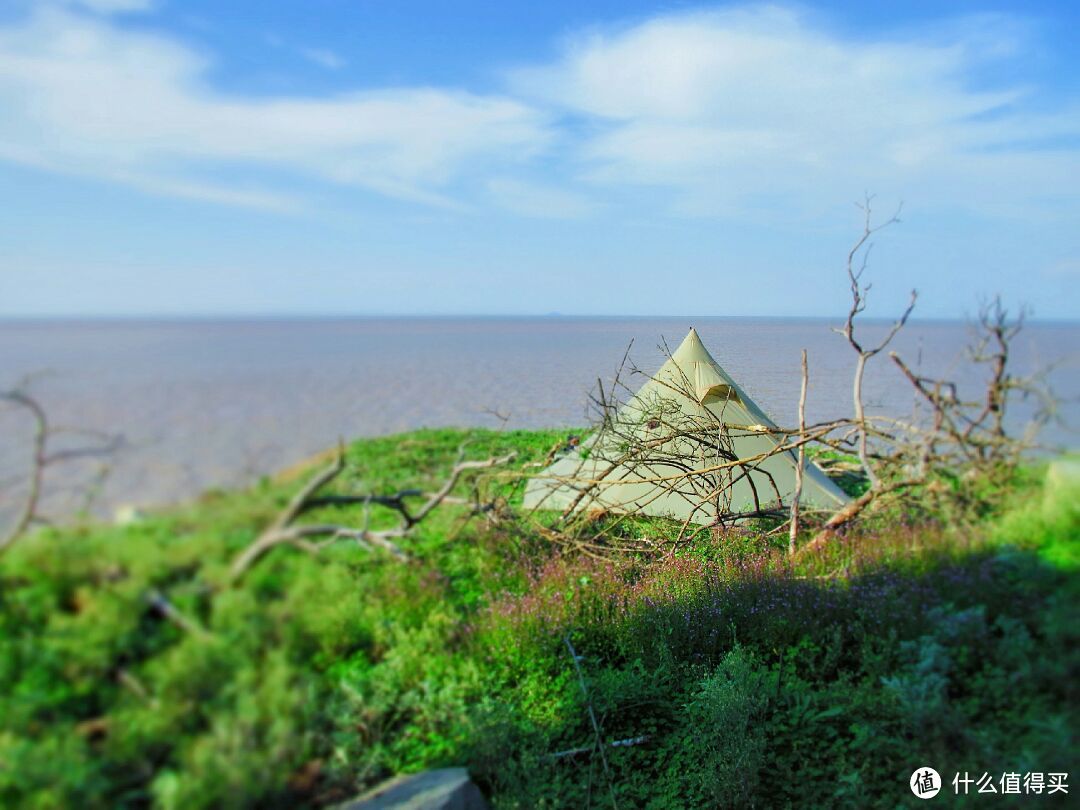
[857,260]
[793,529]
[300,499]
[314,538]
[41,458]
[585,749]
[598,742]
[168,611]
[128,680]
[852,510]
[961,434]
[38,462]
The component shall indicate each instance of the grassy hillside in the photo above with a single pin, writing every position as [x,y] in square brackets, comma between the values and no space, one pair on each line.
[753,680]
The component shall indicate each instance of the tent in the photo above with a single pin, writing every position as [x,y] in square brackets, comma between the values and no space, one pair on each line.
[690,445]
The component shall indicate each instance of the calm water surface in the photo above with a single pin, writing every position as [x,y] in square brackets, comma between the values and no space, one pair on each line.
[216,403]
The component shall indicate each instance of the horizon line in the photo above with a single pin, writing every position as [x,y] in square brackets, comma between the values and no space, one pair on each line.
[205,317]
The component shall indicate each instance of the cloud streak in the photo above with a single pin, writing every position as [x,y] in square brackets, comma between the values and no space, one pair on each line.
[323,57]
[724,107]
[85,97]
[111,6]
[704,113]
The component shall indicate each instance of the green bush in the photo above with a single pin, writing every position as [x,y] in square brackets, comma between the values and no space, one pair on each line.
[743,678]
[716,757]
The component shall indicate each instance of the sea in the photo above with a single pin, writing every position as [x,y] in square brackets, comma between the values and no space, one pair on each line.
[202,404]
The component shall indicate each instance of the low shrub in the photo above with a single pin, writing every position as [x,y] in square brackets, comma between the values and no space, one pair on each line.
[733,675]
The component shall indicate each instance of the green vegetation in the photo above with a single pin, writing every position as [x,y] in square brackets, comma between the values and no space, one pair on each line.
[921,639]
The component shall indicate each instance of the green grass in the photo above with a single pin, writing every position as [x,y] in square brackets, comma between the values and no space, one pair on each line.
[758,681]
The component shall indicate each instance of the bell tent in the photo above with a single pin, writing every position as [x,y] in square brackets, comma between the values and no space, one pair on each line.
[689,445]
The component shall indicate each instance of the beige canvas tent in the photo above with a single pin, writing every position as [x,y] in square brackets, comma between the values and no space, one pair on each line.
[690,445]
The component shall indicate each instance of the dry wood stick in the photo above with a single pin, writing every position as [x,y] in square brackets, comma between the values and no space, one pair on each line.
[793,532]
[599,746]
[281,532]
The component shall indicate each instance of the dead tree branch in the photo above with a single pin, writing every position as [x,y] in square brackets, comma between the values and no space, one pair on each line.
[857,260]
[168,611]
[41,459]
[962,434]
[502,418]
[598,742]
[793,530]
[128,680]
[282,530]
[585,749]
[852,510]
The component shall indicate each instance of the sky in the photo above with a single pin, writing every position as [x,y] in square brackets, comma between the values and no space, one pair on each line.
[353,157]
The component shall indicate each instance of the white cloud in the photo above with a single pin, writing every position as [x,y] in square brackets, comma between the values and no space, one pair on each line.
[323,57]
[719,113]
[1066,269]
[723,106]
[539,200]
[113,6]
[81,96]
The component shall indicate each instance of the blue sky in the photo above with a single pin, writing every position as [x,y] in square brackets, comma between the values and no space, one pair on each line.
[361,157]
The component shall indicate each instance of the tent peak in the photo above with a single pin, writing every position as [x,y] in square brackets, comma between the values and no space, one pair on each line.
[692,339]
[692,350]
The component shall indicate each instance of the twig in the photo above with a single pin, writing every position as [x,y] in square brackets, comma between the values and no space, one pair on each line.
[793,531]
[629,741]
[844,516]
[503,418]
[282,532]
[599,743]
[860,253]
[157,600]
[135,686]
[41,458]
[37,469]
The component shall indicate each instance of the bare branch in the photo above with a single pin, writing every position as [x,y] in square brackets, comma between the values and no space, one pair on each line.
[134,685]
[598,740]
[793,531]
[296,505]
[845,516]
[167,610]
[585,749]
[859,254]
[282,531]
[502,418]
[459,469]
[40,458]
[37,469]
